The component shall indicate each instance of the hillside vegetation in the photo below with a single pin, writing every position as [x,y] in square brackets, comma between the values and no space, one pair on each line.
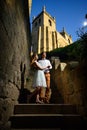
[75,51]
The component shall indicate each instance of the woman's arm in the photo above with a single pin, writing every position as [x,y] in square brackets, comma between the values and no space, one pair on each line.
[39,66]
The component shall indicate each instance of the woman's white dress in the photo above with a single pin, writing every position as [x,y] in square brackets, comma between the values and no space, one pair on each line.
[39,78]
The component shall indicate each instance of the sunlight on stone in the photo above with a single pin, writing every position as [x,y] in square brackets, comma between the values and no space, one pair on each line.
[62,66]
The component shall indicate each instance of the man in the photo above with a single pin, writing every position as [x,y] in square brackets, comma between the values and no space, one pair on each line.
[46,62]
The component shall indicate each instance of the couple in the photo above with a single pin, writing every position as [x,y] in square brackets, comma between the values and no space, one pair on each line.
[41,77]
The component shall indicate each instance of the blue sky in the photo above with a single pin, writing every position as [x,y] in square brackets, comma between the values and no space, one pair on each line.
[69,14]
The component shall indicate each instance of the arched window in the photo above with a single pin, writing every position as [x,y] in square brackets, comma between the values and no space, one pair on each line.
[50,23]
[35,24]
[69,40]
[39,21]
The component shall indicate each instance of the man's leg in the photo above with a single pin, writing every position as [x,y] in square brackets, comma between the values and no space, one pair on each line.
[47,76]
[42,93]
[48,95]
[48,90]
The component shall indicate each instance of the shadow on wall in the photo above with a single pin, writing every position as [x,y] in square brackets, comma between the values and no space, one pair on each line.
[26,96]
[23,95]
[56,96]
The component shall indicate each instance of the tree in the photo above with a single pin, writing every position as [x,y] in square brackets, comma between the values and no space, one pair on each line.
[86,16]
[82,34]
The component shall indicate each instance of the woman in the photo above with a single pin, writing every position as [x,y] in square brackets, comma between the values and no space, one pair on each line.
[39,77]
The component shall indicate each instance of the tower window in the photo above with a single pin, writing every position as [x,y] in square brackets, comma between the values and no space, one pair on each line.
[50,23]
[35,24]
[39,21]
[69,40]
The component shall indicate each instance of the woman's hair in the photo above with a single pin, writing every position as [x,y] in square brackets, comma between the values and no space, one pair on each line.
[32,57]
[32,61]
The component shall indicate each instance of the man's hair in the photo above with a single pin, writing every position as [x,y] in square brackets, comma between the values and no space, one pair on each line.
[42,53]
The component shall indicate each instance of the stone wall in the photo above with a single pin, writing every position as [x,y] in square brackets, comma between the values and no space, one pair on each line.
[14,53]
[70,80]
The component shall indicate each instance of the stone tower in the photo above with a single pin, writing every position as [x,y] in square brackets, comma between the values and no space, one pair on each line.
[44,34]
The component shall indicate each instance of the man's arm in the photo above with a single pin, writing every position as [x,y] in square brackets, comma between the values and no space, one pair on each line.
[50,66]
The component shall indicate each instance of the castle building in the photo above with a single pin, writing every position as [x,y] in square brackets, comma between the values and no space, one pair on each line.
[45,37]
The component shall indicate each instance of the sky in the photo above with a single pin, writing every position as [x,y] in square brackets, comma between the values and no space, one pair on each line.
[69,14]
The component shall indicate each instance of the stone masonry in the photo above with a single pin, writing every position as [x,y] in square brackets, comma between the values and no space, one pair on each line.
[14,53]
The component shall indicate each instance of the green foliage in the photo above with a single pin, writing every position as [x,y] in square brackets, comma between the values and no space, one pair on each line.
[75,51]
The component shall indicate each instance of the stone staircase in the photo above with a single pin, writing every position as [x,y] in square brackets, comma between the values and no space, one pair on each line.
[46,116]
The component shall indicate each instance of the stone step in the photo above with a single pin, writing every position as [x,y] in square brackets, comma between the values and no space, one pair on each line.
[45,109]
[20,121]
[38,129]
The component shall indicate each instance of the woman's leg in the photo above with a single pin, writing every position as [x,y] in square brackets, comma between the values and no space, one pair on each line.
[38,96]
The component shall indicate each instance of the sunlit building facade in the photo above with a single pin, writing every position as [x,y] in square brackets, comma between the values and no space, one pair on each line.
[45,37]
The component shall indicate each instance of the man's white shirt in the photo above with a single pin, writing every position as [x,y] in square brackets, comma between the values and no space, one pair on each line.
[45,63]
